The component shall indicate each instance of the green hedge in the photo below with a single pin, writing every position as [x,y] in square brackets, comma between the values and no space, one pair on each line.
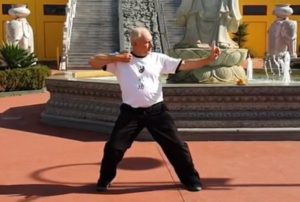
[29,78]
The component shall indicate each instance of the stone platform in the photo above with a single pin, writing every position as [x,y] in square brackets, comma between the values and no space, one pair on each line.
[240,111]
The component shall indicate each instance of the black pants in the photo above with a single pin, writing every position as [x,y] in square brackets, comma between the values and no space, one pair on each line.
[161,125]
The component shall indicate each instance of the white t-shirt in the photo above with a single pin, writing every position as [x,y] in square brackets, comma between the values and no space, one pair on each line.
[139,79]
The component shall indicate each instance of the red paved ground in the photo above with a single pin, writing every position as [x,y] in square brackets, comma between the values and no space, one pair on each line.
[44,163]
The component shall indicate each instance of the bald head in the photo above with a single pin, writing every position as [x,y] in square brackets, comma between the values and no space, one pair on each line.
[139,32]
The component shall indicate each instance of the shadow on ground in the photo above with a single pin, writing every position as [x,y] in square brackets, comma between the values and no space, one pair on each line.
[128,163]
[46,190]
[28,118]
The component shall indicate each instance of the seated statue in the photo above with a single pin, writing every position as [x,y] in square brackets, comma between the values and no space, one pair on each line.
[18,30]
[207,21]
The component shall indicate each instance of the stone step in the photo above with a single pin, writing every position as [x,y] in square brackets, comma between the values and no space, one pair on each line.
[95,29]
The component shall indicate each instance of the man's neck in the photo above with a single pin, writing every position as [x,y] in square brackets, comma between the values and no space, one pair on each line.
[139,55]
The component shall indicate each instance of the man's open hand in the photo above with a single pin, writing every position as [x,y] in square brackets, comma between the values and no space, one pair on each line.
[215,51]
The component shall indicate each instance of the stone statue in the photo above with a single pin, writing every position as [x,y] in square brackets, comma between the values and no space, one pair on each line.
[282,41]
[283,32]
[18,30]
[207,21]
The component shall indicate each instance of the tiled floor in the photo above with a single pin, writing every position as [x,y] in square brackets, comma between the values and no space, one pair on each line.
[45,163]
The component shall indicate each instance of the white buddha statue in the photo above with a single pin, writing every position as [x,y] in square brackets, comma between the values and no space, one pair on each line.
[18,30]
[207,21]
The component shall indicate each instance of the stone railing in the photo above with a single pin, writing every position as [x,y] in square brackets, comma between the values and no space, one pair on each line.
[67,32]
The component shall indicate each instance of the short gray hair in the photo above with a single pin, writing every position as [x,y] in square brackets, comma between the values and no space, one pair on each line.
[137,32]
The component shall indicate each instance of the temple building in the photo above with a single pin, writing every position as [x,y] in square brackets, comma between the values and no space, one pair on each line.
[48,16]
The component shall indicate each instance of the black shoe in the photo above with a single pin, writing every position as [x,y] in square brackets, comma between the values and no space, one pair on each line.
[102,186]
[193,187]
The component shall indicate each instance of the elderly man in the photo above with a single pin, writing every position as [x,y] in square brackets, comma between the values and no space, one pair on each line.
[138,74]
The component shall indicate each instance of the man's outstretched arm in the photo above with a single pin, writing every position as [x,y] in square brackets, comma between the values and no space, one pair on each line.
[100,60]
[195,63]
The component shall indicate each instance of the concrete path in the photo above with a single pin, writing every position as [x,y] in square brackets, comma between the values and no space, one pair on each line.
[50,164]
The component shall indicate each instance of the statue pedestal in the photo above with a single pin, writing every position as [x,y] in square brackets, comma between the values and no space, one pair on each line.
[226,69]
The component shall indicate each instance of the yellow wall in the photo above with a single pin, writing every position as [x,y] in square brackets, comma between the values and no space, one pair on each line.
[47,28]
[257,40]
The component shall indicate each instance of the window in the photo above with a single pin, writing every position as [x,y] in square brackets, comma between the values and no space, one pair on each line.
[54,10]
[5,8]
[296,9]
[255,10]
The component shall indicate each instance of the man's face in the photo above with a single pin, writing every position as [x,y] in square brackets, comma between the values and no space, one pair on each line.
[143,45]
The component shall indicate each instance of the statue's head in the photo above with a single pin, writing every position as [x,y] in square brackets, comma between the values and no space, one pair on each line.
[283,11]
[19,11]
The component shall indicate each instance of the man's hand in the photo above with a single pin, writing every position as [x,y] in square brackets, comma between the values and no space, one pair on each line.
[215,52]
[124,57]
[94,62]
[195,63]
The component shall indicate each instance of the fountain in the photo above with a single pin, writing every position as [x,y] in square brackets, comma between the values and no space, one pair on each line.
[249,68]
[208,111]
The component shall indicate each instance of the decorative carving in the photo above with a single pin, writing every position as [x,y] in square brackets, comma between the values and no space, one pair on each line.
[132,17]
[205,106]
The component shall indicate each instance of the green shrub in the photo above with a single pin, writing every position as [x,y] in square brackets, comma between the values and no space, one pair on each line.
[30,78]
[3,81]
[16,57]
